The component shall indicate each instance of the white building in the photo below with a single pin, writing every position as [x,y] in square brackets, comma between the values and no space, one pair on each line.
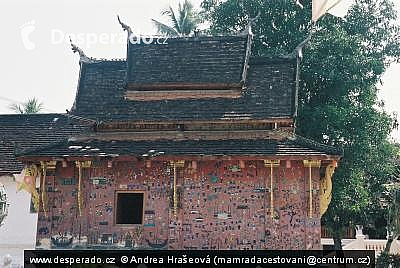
[362,242]
[19,227]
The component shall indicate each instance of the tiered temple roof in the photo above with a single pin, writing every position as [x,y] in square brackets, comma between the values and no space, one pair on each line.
[193,96]
[187,79]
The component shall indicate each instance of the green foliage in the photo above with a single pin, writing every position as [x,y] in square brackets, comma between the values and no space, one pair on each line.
[184,22]
[32,106]
[390,199]
[338,106]
[385,259]
[281,26]
[340,72]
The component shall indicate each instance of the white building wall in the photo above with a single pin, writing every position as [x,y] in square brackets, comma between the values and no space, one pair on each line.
[19,229]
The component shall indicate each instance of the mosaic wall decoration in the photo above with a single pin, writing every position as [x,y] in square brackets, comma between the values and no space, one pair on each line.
[207,205]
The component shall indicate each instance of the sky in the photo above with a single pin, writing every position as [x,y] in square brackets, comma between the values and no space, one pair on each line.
[36,59]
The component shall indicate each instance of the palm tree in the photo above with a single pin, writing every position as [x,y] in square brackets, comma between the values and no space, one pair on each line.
[184,22]
[32,106]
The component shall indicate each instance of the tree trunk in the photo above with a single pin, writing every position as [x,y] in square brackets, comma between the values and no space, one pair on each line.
[388,245]
[337,240]
[383,260]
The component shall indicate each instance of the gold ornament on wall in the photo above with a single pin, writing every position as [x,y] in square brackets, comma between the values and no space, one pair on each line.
[326,188]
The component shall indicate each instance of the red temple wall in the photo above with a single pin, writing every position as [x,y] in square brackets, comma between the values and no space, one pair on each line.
[220,205]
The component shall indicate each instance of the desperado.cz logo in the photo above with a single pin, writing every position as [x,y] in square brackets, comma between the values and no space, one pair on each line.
[26,30]
[89,39]
[58,36]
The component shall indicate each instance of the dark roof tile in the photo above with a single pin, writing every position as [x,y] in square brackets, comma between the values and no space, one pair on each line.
[269,93]
[19,132]
[230,147]
[188,60]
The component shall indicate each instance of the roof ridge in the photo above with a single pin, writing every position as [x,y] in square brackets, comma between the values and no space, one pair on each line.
[102,60]
[201,37]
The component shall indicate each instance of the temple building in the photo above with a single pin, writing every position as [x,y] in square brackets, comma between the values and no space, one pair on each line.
[186,144]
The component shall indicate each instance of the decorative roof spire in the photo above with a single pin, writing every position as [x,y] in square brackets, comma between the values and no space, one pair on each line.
[251,22]
[82,55]
[247,32]
[125,26]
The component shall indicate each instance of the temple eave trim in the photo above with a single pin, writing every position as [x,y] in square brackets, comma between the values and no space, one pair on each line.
[141,95]
[324,158]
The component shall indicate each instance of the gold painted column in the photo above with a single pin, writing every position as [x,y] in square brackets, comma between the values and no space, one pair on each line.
[80,165]
[271,164]
[310,164]
[176,164]
[175,209]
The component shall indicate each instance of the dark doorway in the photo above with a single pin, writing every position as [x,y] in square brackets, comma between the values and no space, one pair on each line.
[129,208]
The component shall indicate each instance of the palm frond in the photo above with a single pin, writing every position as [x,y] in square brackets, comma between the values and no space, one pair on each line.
[17,108]
[182,18]
[190,19]
[174,20]
[184,21]
[164,29]
[32,106]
